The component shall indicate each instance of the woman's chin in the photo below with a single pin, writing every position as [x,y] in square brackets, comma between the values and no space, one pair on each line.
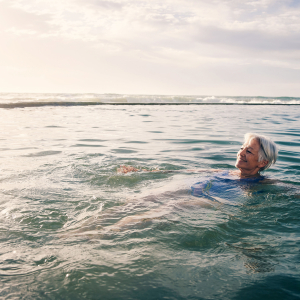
[239,163]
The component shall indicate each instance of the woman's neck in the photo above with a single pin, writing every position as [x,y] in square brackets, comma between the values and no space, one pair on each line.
[244,174]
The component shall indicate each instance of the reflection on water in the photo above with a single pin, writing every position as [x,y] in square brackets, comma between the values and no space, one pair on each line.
[71,227]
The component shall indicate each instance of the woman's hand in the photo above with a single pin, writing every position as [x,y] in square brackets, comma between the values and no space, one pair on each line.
[126,169]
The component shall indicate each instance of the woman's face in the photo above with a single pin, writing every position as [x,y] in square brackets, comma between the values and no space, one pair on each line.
[247,158]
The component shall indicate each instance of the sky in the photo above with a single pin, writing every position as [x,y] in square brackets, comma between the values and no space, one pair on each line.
[170,47]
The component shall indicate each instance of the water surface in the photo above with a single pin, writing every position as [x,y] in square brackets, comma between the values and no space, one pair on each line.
[73,228]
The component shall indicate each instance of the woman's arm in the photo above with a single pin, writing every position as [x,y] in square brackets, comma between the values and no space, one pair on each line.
[126,169]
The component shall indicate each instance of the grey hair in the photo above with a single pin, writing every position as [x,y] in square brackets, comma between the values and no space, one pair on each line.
[267,150]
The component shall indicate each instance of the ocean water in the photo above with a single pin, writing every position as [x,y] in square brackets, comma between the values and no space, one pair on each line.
[72,227]
[10,100]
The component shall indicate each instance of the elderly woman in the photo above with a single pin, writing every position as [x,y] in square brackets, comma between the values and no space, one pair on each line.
[257,154]
[226,187]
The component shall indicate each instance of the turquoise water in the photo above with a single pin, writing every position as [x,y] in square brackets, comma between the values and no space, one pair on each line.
[73,228]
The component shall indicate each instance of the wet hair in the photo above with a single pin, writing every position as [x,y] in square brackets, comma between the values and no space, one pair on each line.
[267,150]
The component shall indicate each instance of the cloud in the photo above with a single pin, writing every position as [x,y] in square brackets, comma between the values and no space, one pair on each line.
[21,19]
[187,34]
[249,39]
[95,20]
[109,5]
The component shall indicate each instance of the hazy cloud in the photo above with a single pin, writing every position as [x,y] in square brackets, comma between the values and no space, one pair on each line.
[184,33]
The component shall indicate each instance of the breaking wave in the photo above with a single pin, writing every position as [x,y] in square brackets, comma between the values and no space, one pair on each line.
[15,100]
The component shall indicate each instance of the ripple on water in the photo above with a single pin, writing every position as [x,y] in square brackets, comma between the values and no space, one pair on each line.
[71,227]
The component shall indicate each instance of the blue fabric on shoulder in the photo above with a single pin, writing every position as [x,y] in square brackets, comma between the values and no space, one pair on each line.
[224,186]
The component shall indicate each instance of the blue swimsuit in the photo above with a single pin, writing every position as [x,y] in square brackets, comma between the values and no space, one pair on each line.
[225,187]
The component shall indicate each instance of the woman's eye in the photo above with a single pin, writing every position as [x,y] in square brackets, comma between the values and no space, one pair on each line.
[249,151]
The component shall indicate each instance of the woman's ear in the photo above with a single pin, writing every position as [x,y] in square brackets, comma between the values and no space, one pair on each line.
[262,163]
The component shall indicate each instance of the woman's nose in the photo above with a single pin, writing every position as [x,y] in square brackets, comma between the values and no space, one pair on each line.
[243,151]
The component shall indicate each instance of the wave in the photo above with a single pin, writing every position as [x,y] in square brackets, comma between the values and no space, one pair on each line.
[19,100]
